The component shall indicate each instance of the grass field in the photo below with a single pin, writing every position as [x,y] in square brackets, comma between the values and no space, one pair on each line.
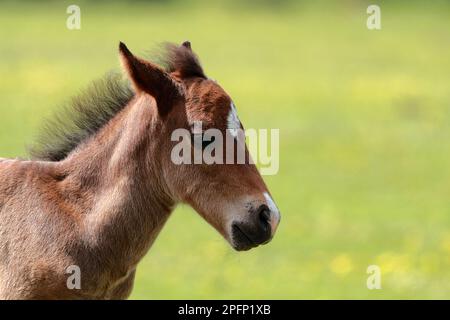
[364,119]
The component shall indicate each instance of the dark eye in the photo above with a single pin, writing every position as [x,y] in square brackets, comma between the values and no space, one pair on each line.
[207,141]
[204,140]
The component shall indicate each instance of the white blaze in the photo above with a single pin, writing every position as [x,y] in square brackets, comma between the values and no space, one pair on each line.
[233,122]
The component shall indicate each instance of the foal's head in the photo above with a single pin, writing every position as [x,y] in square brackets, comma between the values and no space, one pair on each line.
[231,196]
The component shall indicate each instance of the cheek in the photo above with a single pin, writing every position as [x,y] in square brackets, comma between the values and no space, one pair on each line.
[212,210]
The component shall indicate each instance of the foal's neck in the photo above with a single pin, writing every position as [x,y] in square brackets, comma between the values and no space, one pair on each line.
[128,201]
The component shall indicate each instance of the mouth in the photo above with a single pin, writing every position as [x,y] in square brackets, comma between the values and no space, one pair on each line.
[241,241]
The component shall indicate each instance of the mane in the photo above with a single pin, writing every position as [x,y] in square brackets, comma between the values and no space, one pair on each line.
[84,115]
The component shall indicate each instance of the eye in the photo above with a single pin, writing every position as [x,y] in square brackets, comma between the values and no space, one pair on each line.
[205,141]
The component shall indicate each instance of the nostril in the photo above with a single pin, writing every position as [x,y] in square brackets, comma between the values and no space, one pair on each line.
[264,214]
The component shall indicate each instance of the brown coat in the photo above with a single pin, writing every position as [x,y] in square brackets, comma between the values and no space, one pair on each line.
[102,204]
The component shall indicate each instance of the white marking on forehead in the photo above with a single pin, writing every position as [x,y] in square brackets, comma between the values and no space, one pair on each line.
[273,209]
[233,123]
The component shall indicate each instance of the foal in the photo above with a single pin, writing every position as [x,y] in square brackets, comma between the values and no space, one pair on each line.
[99,191]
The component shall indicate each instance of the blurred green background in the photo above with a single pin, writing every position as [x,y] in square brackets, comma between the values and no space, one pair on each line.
[364,119]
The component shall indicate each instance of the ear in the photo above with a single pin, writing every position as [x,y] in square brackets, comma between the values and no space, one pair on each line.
[149,78]
[187,45]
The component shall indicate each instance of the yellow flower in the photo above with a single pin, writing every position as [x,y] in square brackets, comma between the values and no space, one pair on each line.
[341,265]
[392,262]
